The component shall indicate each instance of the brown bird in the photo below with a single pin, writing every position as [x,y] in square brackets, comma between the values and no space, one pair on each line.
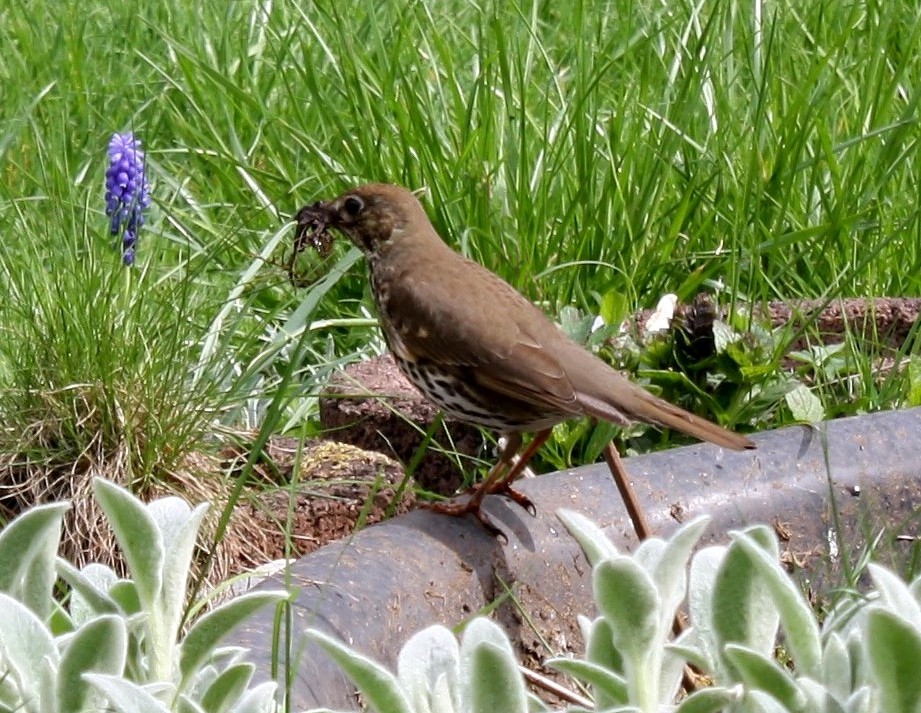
[477,347]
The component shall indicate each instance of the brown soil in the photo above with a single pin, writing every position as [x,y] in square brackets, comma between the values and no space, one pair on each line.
[324,491]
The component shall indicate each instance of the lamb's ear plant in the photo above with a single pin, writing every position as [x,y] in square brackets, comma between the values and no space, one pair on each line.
[743,611]
[113,643]
[740,600]
[436,675]
[628,661]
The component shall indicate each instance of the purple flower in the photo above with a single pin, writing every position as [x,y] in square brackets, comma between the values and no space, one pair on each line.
[127,191]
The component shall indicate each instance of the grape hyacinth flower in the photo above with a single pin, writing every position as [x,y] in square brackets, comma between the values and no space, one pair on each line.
[127,191]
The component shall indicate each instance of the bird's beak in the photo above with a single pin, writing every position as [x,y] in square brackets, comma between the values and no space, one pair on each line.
[313,222]
[311,215]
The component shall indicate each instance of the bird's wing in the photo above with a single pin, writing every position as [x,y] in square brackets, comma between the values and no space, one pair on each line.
[508,346]
[440,307]
[495,338]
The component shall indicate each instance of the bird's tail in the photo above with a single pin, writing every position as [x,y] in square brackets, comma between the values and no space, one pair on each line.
[635,403]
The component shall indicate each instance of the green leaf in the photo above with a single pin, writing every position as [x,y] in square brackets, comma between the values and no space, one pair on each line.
[648,553]
[818,697]
[124,695]
[600,435]
[28,549]
[27,651]
[764,674]
[178,525]
[228,688]
[259,699]
[576,325]
[495,683]
[705,568]
[608,688]
[690,654]
[796,616]
[756,372]
[207,632]
[428,669]
[896,595]
[628,599]
[599,646]
[600,651]
[90,586]
[671,668]
[836,666]
[804,405]
[139,537]
[707,700]
[125,593]
[894,649]
[184,704]
[99,646]
[741,610]
[379,687]
[914,380]
[761,702]
[614,307]
[724,337]
[859,701]
[591,538]
[489,671]
[915,588]
[670,572]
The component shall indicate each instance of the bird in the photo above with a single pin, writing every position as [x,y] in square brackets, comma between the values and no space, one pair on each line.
[477,347]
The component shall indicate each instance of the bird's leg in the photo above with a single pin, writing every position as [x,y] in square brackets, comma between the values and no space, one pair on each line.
[503,485]
[622,480]
[498,482]
[503,465]
[472,504]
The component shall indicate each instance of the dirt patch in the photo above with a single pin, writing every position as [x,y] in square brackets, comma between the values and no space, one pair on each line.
[323,491]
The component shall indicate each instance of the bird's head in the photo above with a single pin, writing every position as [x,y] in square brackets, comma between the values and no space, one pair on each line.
[372,216]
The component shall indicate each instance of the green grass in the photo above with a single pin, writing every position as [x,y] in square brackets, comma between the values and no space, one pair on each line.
[592,154]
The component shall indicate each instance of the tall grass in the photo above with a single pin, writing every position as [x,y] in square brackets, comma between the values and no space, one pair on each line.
[585,151]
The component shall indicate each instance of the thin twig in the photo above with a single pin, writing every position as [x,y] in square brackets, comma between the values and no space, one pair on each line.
[536,679]
[622,480]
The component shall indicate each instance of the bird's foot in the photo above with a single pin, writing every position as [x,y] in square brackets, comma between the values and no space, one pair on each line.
[462,506]
[506,489]
[473,505]
[503,487]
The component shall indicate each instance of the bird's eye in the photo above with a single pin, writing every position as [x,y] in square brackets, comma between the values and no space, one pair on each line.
[352,206]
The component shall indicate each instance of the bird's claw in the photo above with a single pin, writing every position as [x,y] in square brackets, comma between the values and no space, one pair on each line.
[463,506]
[516,495]
[473,505]
[503,488]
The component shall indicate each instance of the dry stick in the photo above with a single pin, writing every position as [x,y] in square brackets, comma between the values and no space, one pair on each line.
[643,531]
[622,480]
[536,679]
